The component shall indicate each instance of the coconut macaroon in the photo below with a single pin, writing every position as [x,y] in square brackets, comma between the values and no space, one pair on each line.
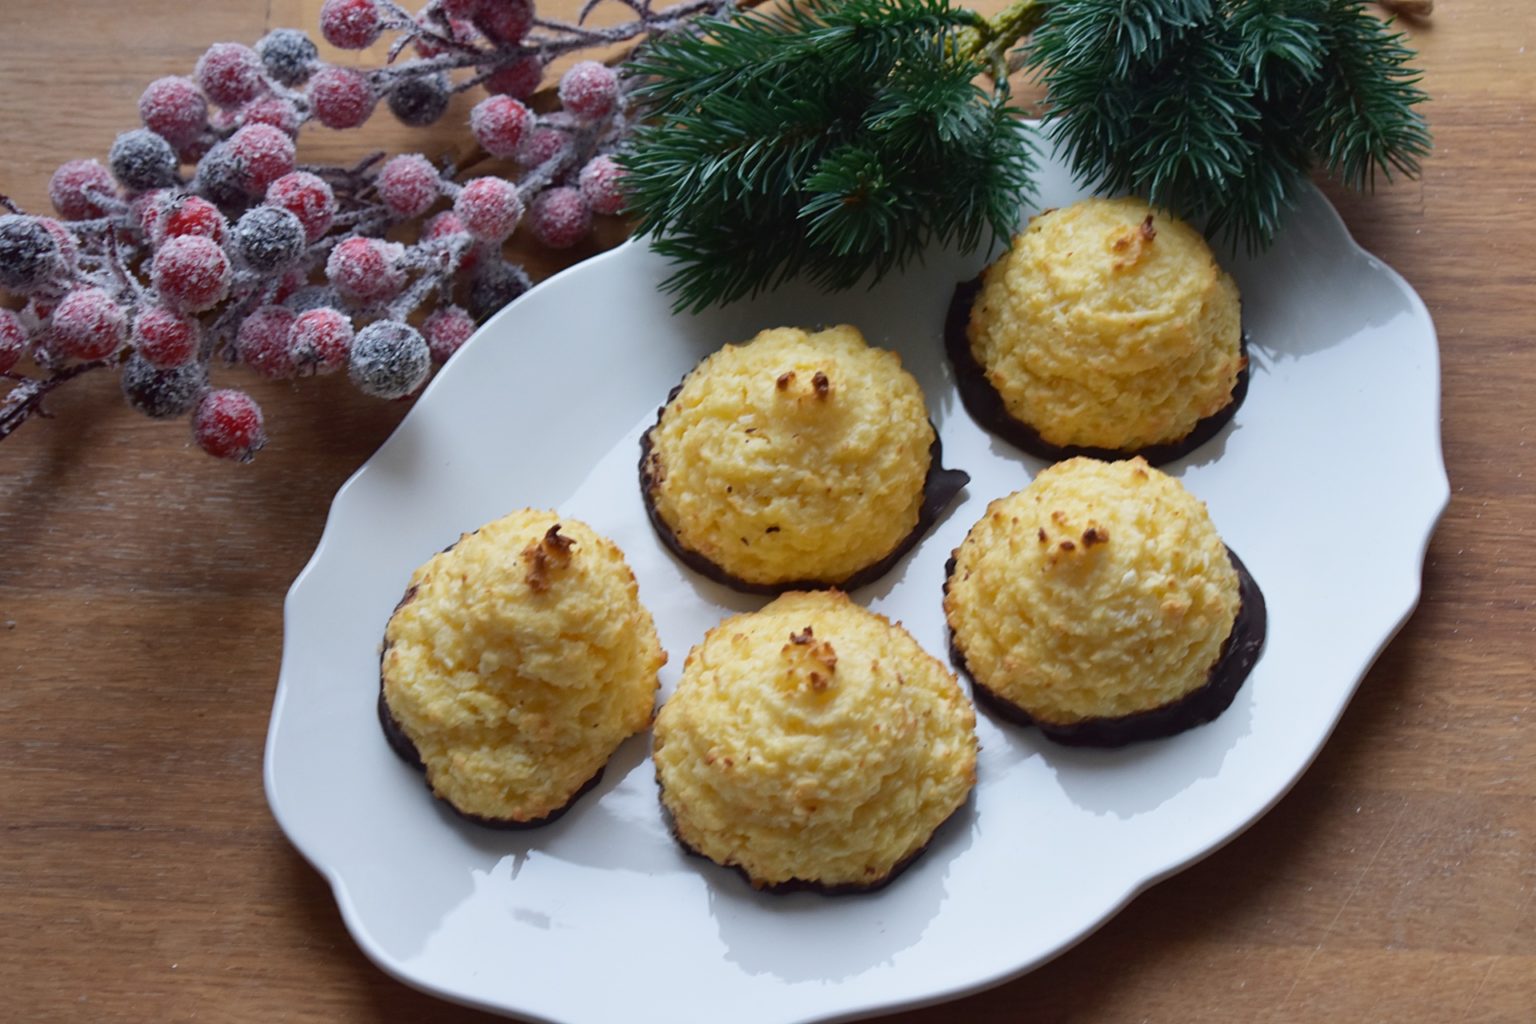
[517,662]
[1107,329]
[1099,604]
[813,744]
[796,460]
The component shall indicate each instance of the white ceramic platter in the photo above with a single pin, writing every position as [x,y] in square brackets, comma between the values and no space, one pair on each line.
[1328,484]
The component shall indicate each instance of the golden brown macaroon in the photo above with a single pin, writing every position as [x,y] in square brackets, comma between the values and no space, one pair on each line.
[517,662]
[813,744]
[1100,604]
[794,461]
[1107,329]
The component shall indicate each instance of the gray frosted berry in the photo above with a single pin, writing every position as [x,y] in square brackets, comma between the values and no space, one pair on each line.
[221,177]
[29,254]
[288,55]
[389,359]
[269,238]
[494,286]
[163,394]
[142,160]
[421,100]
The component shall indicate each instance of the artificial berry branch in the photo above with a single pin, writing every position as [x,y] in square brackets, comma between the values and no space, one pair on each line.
[204,241]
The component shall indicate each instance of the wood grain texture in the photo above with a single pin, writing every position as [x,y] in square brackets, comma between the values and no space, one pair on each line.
[141,586]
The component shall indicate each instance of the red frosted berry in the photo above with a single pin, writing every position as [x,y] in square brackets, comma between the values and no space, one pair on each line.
[174,109]
[459,30]
[319,341]
[189,215]
[87,324]
[262,342]
[489,207]
[307,197]
[408,185]
[446,225]
[289,284]
[504,21]
[271,110]
[499,123]
[542,145]
[520,79]
[602,185]
[560,217]
[366,269]
[13,340]
[462,8]
[589,90]
[69,251]
[79,189]
[265,154]
[447,329]
[165,339]
[191,273]
[350,24]
[230,74]
[227,425]
[341,97]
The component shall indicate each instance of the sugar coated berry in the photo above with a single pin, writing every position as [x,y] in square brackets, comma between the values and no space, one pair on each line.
[30,257]
[448,225]
[447,329]
[191,273]
[504,21]
[230,74]
[366,269]
[350,24]
[189,215]
[221,176]
[408,184]
[262,342]
[462,8]
[13,340]
[498,123]
[265,154]
[165,339]
[341,97]
[269,238]
[88,324]
[69,251]
[389,359]
[288,55]
[458,30]
[162,393]
[519,79]
[560,217]
[489,207]
[320,341]
[142,160]
[496,284]
[271,110]
[420,100]
[602,185]
[174,109]
[542,145]
[227,425]
[589,90]
[308,197]
[80,188]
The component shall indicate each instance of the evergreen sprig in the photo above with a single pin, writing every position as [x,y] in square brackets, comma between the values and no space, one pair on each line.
[1219,109]
[831,139]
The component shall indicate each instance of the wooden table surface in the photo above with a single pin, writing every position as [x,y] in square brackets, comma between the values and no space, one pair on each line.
[142,877]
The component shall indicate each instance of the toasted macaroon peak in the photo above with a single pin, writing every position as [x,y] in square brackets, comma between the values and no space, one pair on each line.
[797,459]
[1101,590]
[517,662]
[813,744]
[1109,324]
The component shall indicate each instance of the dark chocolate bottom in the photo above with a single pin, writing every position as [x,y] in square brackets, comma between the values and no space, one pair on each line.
[1233,664]
[939,488]
[987,408]
[801,884]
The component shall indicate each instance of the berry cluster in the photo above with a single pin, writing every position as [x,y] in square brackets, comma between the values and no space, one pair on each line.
[202,240]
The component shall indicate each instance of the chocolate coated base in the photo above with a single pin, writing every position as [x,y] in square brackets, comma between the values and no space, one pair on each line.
[939,488]
[1233,664]
[986,405]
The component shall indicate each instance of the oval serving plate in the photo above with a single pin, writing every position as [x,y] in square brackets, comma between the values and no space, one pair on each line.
[600,916]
